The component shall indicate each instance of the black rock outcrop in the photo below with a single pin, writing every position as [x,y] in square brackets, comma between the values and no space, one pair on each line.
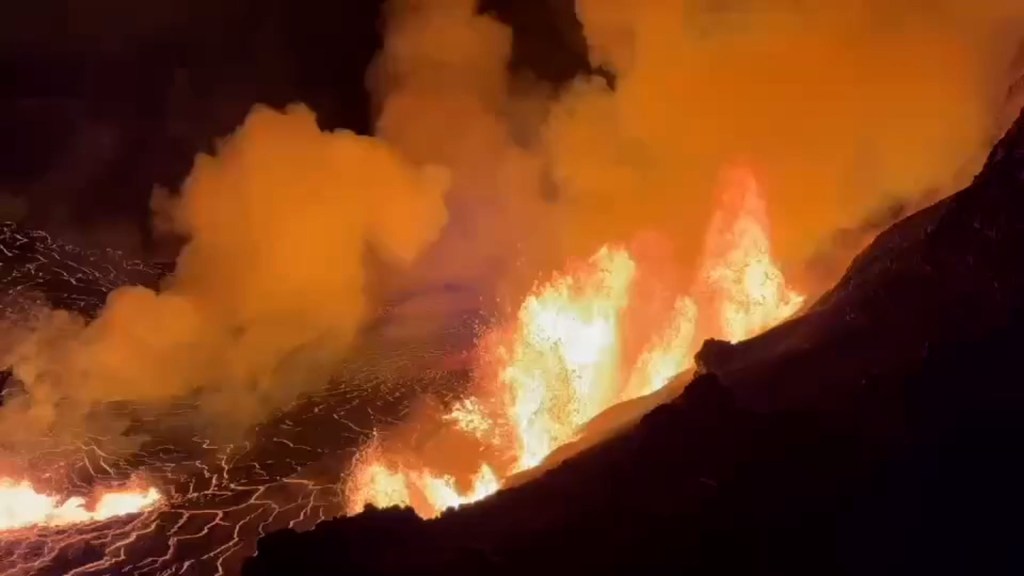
[878,433]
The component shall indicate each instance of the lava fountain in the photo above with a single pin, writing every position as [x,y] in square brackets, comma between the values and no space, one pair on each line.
[21,506]
[602,331]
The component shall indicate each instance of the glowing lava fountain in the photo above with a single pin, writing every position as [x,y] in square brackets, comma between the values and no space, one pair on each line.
[21,506]
[601,332]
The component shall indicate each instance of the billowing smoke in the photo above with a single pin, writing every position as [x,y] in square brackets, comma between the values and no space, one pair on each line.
[444,96]
[840,108]
[268,292]
[478,178]
[843,110]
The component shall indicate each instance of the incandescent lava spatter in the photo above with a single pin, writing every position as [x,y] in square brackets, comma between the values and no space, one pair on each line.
[217,499]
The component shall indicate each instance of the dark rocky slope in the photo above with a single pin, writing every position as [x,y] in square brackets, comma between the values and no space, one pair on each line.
[878,433]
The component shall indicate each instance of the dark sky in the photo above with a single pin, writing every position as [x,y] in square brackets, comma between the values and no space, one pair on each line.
[112,97]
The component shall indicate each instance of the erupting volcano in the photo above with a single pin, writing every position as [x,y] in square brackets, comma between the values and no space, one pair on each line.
[606,329]
[603,331]
[417,280]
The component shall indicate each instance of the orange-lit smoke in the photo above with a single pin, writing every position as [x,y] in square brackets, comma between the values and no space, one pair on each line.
[841,107]
[267,294]
[603,331]
[444,96]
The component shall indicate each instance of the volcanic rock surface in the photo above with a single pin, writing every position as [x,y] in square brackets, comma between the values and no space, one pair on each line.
[877,433]
[38,269]
[218,498]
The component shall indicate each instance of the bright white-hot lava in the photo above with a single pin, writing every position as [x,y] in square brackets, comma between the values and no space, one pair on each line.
[22,506]
[746,285]
[601,332]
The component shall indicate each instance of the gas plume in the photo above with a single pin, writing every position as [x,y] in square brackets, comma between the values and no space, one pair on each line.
[840,107]
[444,96]
[267,294]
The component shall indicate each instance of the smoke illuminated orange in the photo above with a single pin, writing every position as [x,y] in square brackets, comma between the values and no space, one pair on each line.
[570,353]
[22,506]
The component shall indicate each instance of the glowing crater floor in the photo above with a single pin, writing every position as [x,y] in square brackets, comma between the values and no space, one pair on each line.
[218,498]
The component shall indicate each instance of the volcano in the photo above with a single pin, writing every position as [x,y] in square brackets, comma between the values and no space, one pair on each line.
[875,433]
[162,494]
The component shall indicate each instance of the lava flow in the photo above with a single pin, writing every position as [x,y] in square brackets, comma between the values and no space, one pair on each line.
[603,331]
[21,506]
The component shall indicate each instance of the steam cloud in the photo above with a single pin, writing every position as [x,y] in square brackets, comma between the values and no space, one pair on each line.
[840,108]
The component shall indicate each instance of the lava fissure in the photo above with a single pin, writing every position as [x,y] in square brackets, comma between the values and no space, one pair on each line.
[580,343]
[608,329]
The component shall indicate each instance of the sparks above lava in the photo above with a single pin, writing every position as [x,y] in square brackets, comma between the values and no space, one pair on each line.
[599,333]
[22,506]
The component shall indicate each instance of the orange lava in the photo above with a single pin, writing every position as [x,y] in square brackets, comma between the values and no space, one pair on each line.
[599,333]
[747,287]
[427,492]
[22,506]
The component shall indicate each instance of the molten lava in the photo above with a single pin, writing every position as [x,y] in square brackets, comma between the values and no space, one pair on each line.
[597,334]
[745,284]
[22,506]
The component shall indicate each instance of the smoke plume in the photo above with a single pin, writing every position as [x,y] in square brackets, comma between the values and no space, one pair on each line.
[839,107]
[267,294]
[444,96]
